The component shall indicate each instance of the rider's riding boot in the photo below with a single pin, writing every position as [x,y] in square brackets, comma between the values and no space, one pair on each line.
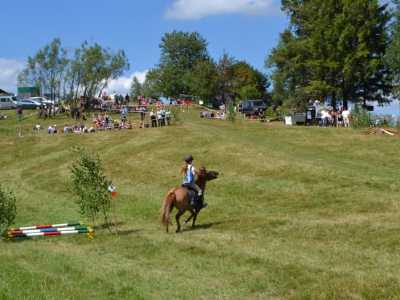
[201,201]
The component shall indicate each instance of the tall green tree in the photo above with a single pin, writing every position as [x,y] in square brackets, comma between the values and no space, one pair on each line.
[226,72]
[393,52]
[136,88]
[203,80]
[180,53]
[46,69]
[332,50]
[149,86]
[246,75]
[91,70]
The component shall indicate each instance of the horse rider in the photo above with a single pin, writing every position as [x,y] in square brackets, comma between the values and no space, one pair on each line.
[188,171]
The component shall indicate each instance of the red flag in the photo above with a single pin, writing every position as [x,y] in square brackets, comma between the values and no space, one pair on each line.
[114,193]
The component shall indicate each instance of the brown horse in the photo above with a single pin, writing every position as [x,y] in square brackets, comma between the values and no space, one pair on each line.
[178,197]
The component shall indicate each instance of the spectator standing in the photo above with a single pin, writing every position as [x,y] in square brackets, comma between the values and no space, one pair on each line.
[143,113]
[261,115]
[346,117]
[19,113]
[168,116]
[159,117]
[324,118]
[163,116]
[153,118]
[77,114]
[127,99]
[240,108]
[339,118]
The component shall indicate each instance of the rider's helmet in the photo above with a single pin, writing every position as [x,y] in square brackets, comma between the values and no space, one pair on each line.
[189,158]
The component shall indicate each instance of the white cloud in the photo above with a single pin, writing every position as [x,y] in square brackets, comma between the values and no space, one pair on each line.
[9,69]
[123,84]
[197,9]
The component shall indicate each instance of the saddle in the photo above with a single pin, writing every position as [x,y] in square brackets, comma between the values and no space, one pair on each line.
[192,195]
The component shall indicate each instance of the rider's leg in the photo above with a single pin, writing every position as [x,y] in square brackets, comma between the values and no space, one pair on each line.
[199,193]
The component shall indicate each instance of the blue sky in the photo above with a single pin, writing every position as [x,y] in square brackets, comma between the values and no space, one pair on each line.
[245,29]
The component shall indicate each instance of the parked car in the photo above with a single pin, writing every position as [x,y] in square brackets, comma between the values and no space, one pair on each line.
[252,107]
[30,104]
[41,100]
[8,102]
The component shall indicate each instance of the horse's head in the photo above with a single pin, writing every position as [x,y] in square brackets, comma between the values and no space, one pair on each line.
[207,174]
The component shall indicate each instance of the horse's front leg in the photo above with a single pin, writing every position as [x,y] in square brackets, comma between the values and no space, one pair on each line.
[191,216]
[178,215]
[195,216]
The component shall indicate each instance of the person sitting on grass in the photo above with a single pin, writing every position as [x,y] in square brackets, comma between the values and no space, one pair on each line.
[140,125]
[50,129]
[122,126]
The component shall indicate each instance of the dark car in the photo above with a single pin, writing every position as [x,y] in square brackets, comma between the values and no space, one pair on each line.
[252,107]
[30,104]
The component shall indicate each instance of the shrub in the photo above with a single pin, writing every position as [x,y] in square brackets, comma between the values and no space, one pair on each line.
[90,186]
[361,118]
[8,210]
[175,116]
[230,112]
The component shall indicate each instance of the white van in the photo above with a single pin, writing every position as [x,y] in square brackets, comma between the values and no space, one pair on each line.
[8,102]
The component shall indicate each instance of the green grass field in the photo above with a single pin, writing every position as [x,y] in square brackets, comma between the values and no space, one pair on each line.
[298,212]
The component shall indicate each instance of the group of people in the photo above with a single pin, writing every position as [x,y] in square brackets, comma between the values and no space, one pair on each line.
[160,117]
[212,115]
[334,118]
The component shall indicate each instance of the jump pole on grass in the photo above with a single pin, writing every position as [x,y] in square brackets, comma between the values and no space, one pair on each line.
[49,226]
[50,231]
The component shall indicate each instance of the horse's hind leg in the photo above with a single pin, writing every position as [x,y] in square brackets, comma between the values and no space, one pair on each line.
[191,216]
[169,217]
[178,215]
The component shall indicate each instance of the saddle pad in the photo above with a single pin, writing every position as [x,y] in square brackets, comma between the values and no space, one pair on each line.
[191,196]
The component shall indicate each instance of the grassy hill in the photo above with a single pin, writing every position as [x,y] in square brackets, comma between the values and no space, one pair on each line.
[298,212]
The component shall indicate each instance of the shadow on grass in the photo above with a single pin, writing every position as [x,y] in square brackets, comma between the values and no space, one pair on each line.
[128,232]
[188,226]
[120,232]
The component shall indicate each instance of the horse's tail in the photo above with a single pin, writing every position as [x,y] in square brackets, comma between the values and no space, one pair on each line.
[166,208]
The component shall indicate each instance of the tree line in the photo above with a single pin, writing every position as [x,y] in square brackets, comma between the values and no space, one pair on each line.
[86,71]
[334,51]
